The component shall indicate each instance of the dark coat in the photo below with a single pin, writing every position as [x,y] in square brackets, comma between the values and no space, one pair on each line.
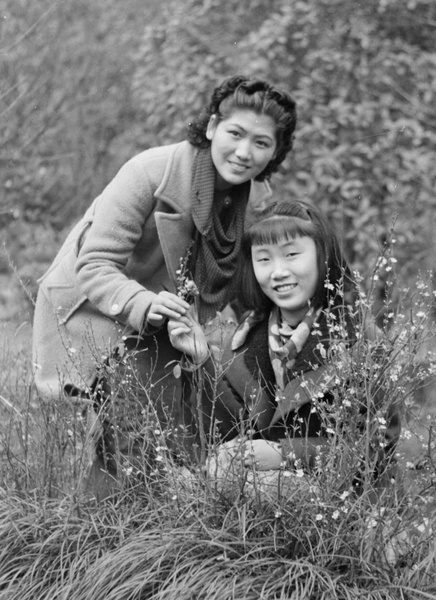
[244,393]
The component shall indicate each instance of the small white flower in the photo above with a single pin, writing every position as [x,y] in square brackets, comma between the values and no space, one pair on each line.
[321,349]
[222,557]
[335,515]
[319,517]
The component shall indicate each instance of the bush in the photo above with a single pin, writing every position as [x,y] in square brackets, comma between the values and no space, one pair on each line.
[178,532]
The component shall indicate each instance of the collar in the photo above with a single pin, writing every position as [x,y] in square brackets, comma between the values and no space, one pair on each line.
[175,187]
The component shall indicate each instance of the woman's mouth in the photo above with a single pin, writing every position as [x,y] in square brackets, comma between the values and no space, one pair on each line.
[286,287]
[238,167]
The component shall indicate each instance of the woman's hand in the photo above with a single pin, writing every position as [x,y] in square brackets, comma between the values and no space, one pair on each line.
[166,305]
[187,336]
[264,455]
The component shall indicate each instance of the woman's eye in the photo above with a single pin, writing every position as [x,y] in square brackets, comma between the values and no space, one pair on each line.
[235,133]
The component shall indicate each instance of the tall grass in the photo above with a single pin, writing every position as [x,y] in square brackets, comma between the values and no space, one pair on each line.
[179,532]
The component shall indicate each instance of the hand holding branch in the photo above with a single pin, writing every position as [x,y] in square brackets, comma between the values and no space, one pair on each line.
[166,305]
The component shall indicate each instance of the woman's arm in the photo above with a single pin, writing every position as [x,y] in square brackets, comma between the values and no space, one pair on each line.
[289,452]
[118,219]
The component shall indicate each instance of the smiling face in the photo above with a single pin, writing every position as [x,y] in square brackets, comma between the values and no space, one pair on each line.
[287,273]
[242,145]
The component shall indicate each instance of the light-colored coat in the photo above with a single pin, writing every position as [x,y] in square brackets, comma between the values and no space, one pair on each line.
[125,249]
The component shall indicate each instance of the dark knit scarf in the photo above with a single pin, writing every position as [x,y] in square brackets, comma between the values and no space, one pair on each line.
[216,246]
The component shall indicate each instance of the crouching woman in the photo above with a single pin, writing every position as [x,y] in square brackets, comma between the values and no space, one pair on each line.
[280,385]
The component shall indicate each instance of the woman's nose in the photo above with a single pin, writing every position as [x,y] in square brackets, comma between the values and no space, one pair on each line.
[243,151]
[279,270]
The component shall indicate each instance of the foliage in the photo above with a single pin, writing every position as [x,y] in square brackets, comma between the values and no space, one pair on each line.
[182,532]
[87,86]
[364,83]
[194,46]
[127,550]
[66,70]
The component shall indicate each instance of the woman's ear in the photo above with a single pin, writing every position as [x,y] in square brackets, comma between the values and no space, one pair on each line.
[211,127]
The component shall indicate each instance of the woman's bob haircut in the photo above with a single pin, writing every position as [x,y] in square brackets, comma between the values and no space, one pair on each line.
[286,221]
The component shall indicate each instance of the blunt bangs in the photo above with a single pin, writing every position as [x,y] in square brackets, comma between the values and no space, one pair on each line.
[279,228]
[285,221]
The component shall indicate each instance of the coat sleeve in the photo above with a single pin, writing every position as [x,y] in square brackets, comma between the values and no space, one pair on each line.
[117,223]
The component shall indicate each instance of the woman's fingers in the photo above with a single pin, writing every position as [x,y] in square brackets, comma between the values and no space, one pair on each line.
[179,326]
[171,302]
[182,320]
[189,338]
[176,329]
[166,305]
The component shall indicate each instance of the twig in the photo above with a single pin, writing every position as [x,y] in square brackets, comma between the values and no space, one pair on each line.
[10,406]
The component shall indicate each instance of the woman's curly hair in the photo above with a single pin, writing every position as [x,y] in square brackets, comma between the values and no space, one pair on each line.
[242,93]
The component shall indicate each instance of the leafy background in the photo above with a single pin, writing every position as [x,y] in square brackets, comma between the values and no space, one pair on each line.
[87,85]
[84,86]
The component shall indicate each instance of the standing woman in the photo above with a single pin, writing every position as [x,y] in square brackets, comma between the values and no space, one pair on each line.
[113,284]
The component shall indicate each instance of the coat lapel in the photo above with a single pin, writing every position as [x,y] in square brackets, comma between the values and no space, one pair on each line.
[174,222]
[302,389]
[175,233]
